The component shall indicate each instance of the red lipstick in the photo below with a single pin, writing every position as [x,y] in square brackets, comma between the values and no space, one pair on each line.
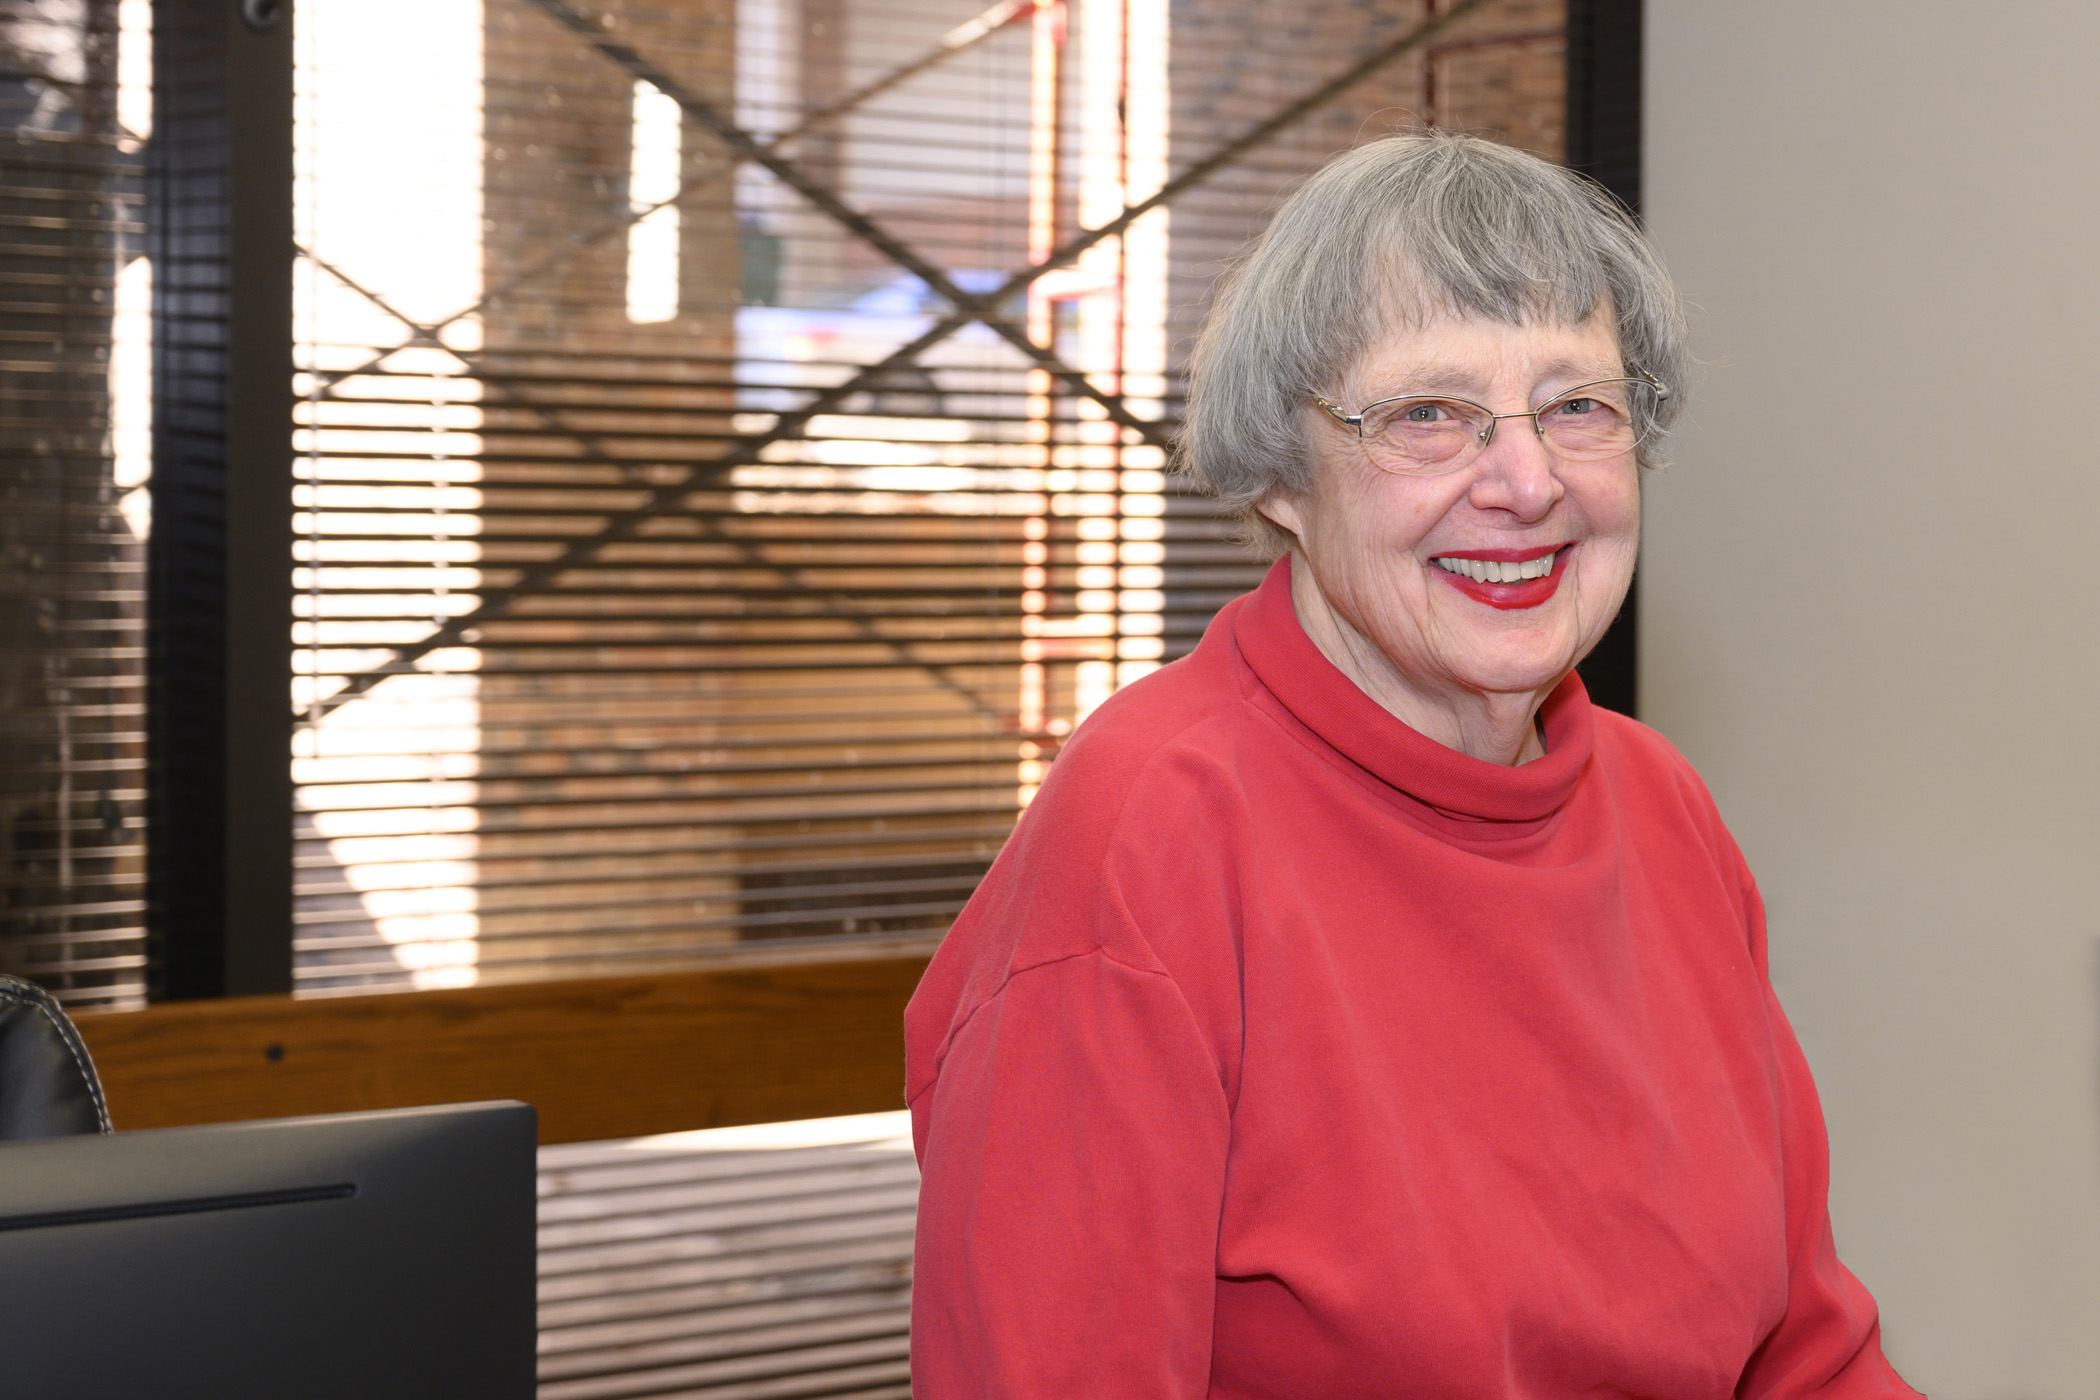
[1509,596]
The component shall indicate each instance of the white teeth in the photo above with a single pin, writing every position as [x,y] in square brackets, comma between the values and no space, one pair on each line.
[1492,571]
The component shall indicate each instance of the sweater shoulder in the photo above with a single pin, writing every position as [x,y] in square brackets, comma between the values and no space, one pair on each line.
[1648,773]
[1144,770]
[1193,706]
[1148,773]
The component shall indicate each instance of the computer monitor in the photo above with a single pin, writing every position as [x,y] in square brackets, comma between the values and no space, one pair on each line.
[361,1256]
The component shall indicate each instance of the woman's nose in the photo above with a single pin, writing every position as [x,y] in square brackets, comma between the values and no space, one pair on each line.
[1515,472]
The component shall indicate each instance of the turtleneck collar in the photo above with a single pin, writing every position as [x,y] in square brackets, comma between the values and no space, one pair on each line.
[1317,694]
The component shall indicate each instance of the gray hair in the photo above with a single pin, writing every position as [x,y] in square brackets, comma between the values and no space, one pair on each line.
[1396,233]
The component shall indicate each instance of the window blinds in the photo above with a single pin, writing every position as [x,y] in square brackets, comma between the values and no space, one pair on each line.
[707,533]
[73,515]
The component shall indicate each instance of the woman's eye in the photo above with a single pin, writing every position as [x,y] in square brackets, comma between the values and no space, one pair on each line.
[1575,407]
[1425,413]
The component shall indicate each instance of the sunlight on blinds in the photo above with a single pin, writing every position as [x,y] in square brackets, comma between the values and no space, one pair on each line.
[652,193]
[131,395]
[389,212]
[131,318]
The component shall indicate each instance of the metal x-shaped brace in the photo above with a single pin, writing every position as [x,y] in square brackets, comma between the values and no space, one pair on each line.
[822,197]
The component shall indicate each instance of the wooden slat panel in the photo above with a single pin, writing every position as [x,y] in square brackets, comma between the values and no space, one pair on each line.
[600,1058]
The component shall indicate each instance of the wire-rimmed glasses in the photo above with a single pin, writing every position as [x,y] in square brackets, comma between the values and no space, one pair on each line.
[1430,434]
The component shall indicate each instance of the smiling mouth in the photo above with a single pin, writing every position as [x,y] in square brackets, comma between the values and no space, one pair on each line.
[1499,570]
[1520,579]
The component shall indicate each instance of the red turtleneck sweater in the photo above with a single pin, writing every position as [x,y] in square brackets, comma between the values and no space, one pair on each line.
[1287,1053]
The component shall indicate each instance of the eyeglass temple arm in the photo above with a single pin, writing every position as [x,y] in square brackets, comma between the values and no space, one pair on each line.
[1334,411]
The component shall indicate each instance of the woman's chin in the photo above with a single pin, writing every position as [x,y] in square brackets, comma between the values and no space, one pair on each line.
[1515,671]
[1519,652]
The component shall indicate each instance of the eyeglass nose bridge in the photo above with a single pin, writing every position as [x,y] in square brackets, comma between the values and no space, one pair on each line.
[1487,435]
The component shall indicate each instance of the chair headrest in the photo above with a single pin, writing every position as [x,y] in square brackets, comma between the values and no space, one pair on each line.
[48,1086]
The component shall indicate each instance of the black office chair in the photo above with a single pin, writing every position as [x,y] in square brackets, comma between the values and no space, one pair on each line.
[48,1086]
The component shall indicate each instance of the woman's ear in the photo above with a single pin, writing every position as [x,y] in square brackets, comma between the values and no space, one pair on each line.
[1280,509]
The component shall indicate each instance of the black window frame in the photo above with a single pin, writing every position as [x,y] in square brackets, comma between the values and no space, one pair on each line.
[1604,143]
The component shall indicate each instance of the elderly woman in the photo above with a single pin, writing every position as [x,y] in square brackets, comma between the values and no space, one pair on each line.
[1357,1011]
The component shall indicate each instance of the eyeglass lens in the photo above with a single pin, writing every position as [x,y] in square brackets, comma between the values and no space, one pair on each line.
[1427,434]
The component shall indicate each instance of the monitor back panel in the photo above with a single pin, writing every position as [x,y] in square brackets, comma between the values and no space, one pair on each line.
[359,1255]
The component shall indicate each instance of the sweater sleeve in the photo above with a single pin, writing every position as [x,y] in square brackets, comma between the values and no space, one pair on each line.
[1827,1345]
[1073,1155]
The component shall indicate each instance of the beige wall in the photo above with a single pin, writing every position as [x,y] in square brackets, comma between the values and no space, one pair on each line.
[1871,616]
